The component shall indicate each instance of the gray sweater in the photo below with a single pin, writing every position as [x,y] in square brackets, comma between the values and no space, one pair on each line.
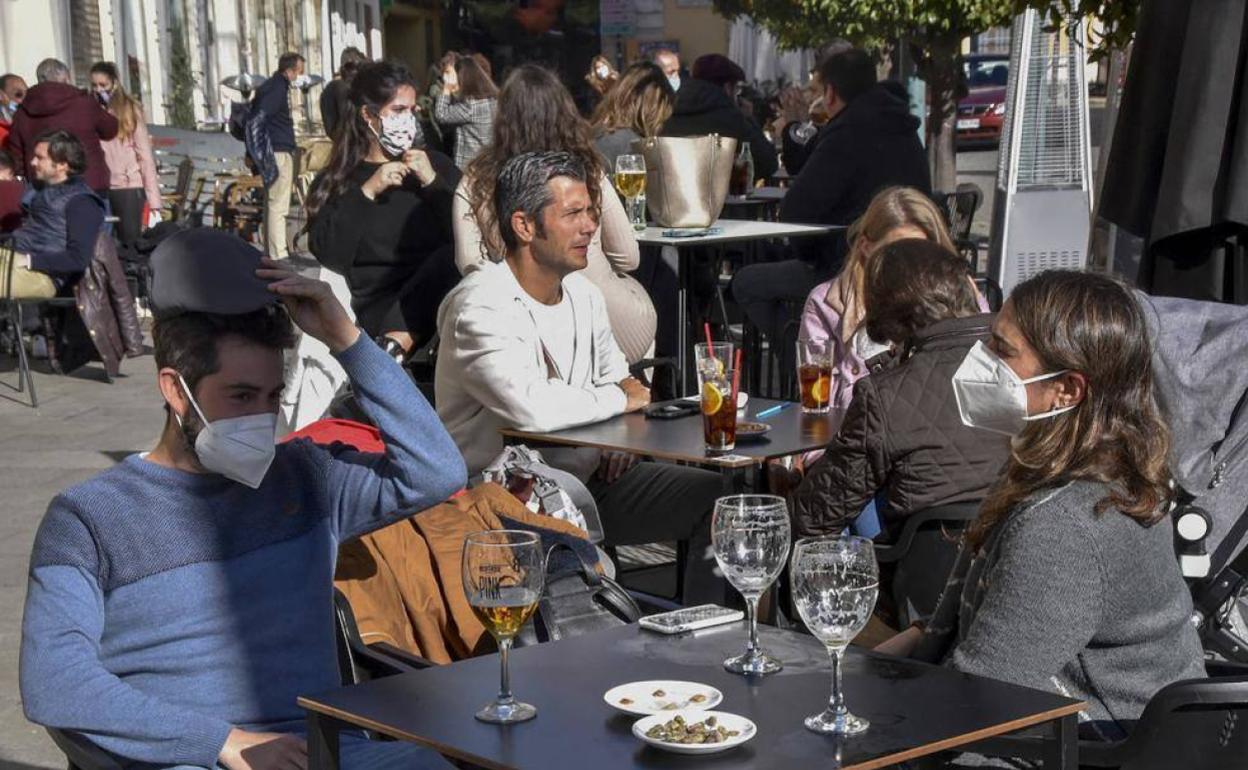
[1066,600]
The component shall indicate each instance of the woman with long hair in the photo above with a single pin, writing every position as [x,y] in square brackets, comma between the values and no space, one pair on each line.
[636,107]
[380,212]
[536,114]
[834,310]
[1068,580]
[467,103]
[133,180]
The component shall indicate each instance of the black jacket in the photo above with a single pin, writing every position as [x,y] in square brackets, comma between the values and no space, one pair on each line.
[334,105]
[872,144]
[273,99]
[902,435]
[703,108]
[396,252]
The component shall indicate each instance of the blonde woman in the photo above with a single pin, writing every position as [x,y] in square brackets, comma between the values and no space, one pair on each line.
[131,167]
[835,309]
[634,108]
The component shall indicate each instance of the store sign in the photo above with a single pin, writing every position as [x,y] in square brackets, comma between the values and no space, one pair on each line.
[617,17]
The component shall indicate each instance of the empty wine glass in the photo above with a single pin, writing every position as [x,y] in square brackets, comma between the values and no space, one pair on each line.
[751,537]
[835,583]
[503,574]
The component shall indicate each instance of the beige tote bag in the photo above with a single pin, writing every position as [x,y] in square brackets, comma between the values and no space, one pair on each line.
[687,177]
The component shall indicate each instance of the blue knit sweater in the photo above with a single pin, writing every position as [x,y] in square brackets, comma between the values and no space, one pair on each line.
[165,607]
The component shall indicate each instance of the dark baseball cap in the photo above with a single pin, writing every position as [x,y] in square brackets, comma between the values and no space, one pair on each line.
[718,69]
[202,270]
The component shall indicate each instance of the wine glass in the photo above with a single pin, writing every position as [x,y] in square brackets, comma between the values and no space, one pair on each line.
[503,575]
[835,583]
[630,180]
[751,537]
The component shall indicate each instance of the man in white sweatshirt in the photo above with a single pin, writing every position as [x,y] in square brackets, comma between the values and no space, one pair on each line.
[526,343]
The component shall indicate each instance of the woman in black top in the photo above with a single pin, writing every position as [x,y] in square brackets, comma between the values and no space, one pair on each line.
[380,213]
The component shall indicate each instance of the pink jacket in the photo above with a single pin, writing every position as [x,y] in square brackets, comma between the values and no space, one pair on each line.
[820,322]
[131,164]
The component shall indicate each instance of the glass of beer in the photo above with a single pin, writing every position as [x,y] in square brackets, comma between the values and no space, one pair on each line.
[630,180]
[719,411]
[503,573]
[814,375]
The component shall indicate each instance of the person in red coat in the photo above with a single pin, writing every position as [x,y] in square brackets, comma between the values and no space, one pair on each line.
[56,104]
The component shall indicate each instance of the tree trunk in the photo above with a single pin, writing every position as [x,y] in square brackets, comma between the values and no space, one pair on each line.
[944,78]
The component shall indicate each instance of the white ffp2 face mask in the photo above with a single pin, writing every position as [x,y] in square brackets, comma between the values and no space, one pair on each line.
[674,81]
[239,448]
[864,347]
[991,396]
[397,133]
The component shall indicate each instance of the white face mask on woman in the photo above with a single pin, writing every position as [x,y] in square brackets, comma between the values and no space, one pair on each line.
[239,448]
[864,347]
[397,133]
[992,397]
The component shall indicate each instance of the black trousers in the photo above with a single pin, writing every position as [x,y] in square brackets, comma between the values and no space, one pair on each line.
[764,289]
[127,206]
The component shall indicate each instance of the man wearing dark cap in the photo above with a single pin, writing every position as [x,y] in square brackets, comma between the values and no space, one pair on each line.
[706,104]
[180,601]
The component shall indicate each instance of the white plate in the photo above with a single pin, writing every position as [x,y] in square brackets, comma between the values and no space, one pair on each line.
[968,123]
[742,725]
[677,694]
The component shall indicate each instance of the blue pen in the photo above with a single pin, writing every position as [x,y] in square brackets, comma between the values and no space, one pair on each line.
[769,411]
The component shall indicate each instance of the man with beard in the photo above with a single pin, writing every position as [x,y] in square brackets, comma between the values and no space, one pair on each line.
[180,601]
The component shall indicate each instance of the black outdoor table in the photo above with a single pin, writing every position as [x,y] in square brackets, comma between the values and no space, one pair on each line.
[730,231]
[681,439]
[915,709]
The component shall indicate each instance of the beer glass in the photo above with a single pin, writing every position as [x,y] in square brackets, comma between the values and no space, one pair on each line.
[630,180]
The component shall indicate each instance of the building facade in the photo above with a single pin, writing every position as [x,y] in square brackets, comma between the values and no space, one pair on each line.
[175,53]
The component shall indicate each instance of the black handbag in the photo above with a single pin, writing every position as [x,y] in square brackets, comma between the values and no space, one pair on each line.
[576,600]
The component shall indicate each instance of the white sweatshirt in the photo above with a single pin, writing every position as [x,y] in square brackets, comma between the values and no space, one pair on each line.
[492,373]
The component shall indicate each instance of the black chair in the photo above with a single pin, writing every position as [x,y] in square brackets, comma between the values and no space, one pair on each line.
[1192,724]
[922,557]
[959,208]
[360,662]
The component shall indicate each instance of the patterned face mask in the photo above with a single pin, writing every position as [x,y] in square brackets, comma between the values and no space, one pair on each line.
[397,133]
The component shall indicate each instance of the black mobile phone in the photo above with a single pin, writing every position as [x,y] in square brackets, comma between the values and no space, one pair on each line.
[670,410]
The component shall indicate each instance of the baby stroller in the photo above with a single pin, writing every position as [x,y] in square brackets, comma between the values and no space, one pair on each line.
[1200,367]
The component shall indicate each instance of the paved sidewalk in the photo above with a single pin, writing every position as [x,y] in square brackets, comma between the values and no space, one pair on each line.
[83,425]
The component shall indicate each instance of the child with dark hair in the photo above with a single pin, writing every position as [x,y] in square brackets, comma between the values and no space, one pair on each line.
[902,435]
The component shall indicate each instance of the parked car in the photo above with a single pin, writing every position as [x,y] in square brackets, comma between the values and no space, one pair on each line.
[981,113]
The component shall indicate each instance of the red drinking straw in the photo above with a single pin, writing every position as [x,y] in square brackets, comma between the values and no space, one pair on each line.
[736,378]
[710,344]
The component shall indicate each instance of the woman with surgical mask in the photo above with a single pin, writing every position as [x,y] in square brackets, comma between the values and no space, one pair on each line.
[134,184]
[1068,580]
[380,212]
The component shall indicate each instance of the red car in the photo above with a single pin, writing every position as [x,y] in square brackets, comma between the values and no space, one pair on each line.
[981,113]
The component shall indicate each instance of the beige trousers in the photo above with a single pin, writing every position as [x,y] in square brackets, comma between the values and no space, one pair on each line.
[26,283]
[277,206]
